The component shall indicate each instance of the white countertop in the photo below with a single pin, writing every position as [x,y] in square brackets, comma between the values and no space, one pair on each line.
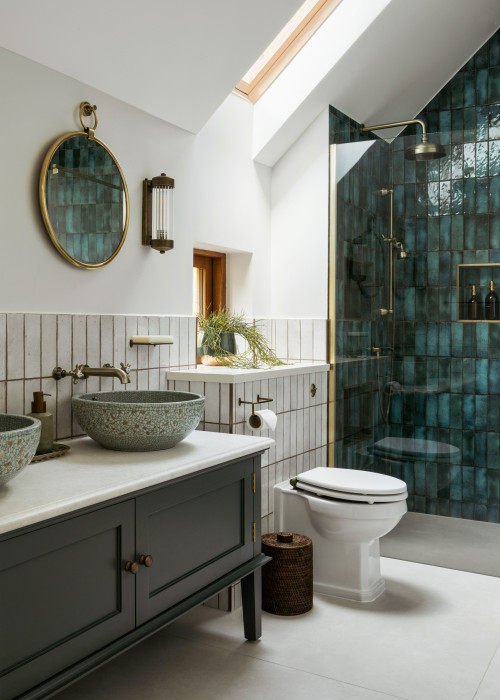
[89,474]
[235,375]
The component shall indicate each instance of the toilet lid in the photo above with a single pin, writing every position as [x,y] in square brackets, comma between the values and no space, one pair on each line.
[353,485]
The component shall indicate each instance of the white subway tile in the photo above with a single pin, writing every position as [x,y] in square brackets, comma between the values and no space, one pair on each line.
[300,391]
[319,342]
[300,431]
[324,424]
[121,342]
[286,393]
[306,339]
[94,343]
[293,433]
[165,349]
[30,386]
[64,357]
[143,379]
[212,402]
[264,490]
[154,350]
[279,471]
[197,388]
[279,395]
[318,436]
[279,438]
[192,341]
[281,338]
[224,404]
[15,346]
[212,427]
[286,434]
[15,397]
[64,422]
[106,348]
[272,481]
[142,350]
[32,340]
[130,352]
[3,347]
[294,339]
[307,421]
[48,344]
[79,342]
[239,410]
[154,379]
[174,349]
[3,397]
[184,341]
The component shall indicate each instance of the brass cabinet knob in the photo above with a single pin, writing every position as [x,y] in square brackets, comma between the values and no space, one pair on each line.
[132,567]
[146,559]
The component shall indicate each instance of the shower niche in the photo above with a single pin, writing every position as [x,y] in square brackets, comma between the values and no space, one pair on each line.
[480,275]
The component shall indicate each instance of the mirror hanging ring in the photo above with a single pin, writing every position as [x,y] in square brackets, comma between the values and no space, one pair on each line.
[83,196]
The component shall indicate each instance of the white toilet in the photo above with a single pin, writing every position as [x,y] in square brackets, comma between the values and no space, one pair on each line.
[344,512]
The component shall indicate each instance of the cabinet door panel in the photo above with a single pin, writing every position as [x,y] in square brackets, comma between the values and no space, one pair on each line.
[66,584]
[196,531]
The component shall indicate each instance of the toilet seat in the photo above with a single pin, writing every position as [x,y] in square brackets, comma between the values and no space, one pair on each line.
[352,485]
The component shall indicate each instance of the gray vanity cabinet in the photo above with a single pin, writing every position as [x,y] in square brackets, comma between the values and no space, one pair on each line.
[76,591]
[62,595]
[195,531]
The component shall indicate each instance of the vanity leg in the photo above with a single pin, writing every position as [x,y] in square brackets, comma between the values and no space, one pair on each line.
[251,595]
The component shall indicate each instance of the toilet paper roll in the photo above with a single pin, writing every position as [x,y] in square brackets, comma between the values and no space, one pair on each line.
[262,420]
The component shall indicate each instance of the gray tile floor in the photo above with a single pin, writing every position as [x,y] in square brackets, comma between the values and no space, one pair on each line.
[433,635]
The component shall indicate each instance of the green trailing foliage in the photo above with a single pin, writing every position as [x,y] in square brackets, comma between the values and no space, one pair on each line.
[258,354]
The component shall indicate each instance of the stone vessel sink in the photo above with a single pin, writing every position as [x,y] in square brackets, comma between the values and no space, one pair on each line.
[138,421]
[19,438]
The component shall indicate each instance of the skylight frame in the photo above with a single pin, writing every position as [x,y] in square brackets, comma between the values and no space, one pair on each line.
[283,49]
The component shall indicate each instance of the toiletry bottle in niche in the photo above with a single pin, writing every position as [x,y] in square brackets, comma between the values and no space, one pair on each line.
[39,410]
[491,304]
[473,306]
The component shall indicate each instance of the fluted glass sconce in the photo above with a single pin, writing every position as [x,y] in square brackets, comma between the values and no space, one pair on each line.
[158,213]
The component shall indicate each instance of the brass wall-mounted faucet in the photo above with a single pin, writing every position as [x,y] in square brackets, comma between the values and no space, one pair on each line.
[84,371]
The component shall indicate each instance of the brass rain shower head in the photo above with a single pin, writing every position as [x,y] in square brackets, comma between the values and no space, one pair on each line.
[420,151]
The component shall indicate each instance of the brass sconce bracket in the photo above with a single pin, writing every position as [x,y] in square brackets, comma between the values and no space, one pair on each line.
[87,110]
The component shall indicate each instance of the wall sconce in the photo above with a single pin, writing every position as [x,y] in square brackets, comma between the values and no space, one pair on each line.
[158,213]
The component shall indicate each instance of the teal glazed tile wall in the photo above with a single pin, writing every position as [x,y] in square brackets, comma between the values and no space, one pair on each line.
[447,212]
[87,179]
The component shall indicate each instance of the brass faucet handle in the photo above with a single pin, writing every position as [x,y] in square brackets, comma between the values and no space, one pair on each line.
[125,367]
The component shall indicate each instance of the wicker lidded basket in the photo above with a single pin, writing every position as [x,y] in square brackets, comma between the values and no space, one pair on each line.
[287,580]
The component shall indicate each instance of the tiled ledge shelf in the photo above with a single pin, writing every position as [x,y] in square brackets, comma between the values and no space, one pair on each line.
[232,375]
[479,274]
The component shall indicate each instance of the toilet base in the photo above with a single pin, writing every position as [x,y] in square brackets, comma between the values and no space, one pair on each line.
[367,595]
[349,570]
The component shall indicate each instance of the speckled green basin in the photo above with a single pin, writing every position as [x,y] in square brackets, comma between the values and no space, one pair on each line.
[19,438]
[138,421]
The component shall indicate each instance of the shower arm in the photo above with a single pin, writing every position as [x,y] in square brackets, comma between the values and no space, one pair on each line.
[375,127]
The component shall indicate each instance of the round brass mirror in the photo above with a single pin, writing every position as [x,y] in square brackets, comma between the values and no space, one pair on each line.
[84,197]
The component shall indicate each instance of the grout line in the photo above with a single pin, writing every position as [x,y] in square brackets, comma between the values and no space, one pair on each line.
[497,650]
[240,652]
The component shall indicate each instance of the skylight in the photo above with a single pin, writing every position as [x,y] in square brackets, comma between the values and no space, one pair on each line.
[308,18]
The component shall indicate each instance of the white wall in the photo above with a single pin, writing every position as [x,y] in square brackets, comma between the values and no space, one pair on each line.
[299,226]
[221,197]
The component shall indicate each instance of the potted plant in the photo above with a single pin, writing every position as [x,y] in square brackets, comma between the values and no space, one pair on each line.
[218,344]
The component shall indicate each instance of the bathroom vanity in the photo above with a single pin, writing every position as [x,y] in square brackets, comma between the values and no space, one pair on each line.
[99,549]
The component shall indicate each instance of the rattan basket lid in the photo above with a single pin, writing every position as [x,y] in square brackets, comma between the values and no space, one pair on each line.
[286,540]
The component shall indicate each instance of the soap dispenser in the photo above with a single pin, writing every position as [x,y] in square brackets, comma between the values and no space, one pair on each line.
[491,304]
[473,306]
[39,410]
